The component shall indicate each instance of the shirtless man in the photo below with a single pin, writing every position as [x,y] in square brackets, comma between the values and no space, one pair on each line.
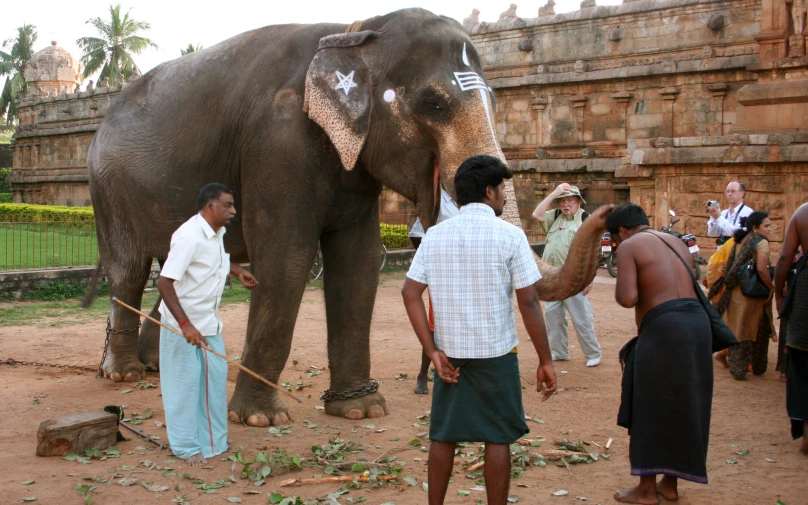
[666,410]
[797,334]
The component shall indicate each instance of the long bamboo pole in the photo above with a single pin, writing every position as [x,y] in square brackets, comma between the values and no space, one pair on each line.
[238,365]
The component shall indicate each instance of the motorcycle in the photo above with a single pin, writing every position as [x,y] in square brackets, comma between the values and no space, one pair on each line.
[689,240]
[607,251]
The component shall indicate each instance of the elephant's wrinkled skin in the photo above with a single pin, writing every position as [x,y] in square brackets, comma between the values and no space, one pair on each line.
[306,137]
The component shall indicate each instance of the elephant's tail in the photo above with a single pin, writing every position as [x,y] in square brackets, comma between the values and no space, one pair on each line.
[92,287]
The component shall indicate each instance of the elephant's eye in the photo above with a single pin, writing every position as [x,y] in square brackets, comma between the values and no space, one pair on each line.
[433,105]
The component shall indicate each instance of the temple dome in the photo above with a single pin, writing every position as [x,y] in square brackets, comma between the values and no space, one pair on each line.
[50,70]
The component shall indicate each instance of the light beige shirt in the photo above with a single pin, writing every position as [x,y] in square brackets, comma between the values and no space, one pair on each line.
[199,266]
[560,233]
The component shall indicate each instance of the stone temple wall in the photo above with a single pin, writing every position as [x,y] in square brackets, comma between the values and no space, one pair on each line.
[51,145]
[639,102]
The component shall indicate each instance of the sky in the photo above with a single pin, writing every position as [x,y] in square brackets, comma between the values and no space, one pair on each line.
[175,24]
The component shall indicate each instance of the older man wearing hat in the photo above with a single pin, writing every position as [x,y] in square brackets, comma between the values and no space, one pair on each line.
[560,225]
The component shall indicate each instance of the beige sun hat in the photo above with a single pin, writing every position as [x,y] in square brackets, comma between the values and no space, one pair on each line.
[573,191]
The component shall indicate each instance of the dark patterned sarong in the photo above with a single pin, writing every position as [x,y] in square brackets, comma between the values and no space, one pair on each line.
[484,406]
[667,398]
[797,390]
[798,318]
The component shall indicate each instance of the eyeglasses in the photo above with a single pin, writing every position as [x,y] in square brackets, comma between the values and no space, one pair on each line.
[732,191]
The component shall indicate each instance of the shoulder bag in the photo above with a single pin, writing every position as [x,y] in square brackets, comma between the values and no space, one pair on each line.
[722,335]
[749,280]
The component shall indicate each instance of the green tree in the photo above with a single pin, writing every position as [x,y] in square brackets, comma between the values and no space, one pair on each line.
[112,53]
[13,64]
[191,49]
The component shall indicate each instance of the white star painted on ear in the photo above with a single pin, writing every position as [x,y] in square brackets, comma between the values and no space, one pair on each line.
[346,82]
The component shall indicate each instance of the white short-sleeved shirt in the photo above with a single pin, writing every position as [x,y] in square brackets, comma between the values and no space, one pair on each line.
[472,263]
[199,266]
[448,209]
[728,222]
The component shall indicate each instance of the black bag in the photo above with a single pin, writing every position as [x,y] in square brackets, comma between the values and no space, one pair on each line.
[722,335]
[793,273]
[721,241]
[749,281]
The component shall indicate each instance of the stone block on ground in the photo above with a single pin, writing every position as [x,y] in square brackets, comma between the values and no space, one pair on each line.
[77,433]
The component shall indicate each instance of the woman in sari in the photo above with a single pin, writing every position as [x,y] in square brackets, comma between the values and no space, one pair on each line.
[749,318]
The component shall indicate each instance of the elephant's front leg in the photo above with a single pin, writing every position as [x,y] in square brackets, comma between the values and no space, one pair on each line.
[273,311]
[351,257]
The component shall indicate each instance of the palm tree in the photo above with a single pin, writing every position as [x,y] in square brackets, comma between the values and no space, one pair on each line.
[191,49]
[113,52]
[14,63]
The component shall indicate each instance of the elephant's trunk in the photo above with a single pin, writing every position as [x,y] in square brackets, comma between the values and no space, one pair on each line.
[579,269]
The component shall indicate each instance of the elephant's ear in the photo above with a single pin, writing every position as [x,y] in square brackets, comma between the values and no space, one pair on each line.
[339,93]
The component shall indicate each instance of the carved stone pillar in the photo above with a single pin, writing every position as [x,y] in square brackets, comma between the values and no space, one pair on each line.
[718,91]
[539,104]
[669,95]
[578,106]
[622,98]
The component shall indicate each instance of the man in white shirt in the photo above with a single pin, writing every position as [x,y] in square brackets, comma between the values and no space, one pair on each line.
[448,209]
[723,223]
[193,383]
[472,264]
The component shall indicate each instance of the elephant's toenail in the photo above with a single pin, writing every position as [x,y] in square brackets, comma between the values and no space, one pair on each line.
[355,414]
[259,420]
[115,376]
[234,417]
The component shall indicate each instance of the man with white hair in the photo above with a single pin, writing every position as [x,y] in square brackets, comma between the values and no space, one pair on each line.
[723,223]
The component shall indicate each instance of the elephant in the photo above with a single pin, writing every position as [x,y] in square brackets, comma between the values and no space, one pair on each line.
[305,123]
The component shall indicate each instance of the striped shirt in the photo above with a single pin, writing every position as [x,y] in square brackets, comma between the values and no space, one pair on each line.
[472,263]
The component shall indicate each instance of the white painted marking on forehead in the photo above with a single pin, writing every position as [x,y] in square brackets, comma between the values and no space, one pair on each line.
[470,80]
[465,56]
[454,83]
[389,95]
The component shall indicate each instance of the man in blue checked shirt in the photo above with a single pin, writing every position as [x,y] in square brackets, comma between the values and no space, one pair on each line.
[472,264]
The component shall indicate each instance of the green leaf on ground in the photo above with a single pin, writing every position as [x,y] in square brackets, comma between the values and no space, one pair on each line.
[415,441]
[358,467]
[27,482]
[463,492]
[731,461]
[411,481]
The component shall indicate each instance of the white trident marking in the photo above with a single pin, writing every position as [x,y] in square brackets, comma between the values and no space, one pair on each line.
[346,82]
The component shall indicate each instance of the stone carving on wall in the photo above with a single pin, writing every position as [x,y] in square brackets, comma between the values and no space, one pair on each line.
[580,66]
[470,22]
[548,9]
[510,14]
[90,85]
[796,42]
[104,83]
[586,4]
[77,89]
[707,52]
[716,22]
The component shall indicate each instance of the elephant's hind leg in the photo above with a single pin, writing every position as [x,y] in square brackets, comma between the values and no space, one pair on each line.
[126,282]
[149,341]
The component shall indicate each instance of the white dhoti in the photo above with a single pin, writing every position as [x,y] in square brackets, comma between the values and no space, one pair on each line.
[194,387]
[582,320]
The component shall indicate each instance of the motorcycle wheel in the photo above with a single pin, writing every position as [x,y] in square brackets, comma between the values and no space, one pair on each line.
[697,272]
[611,264]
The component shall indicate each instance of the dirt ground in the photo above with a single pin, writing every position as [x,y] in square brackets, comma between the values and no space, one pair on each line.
[747,415]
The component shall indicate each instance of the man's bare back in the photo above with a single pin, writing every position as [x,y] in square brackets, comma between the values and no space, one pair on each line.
[650,273]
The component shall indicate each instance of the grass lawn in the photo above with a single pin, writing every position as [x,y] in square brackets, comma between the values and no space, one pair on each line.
[41,246]
[66,312]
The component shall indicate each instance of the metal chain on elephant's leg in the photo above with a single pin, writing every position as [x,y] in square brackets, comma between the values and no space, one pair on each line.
[110,331]
[12,361]
[367,389]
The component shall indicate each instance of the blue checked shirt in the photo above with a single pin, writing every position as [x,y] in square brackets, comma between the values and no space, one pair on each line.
[472,263]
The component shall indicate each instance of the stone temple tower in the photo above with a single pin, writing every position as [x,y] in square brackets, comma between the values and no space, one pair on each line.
[50,70]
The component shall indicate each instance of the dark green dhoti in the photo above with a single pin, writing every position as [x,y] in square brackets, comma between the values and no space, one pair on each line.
[484,406]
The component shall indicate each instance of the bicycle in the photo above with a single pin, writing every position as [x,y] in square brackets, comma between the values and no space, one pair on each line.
[317,267]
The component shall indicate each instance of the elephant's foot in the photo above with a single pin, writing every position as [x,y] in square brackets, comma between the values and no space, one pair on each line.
[371,406]
[249,409]
[150,359]
[123,369]
[422,384]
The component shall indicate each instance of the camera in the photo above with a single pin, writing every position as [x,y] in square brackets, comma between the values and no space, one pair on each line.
[713,203]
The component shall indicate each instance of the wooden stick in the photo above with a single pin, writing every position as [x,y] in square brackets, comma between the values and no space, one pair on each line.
[142,435]
[476,466]
[238,365]
[343,478]
[609,443]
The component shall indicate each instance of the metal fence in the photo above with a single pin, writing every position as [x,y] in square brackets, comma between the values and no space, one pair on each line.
[32,241]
